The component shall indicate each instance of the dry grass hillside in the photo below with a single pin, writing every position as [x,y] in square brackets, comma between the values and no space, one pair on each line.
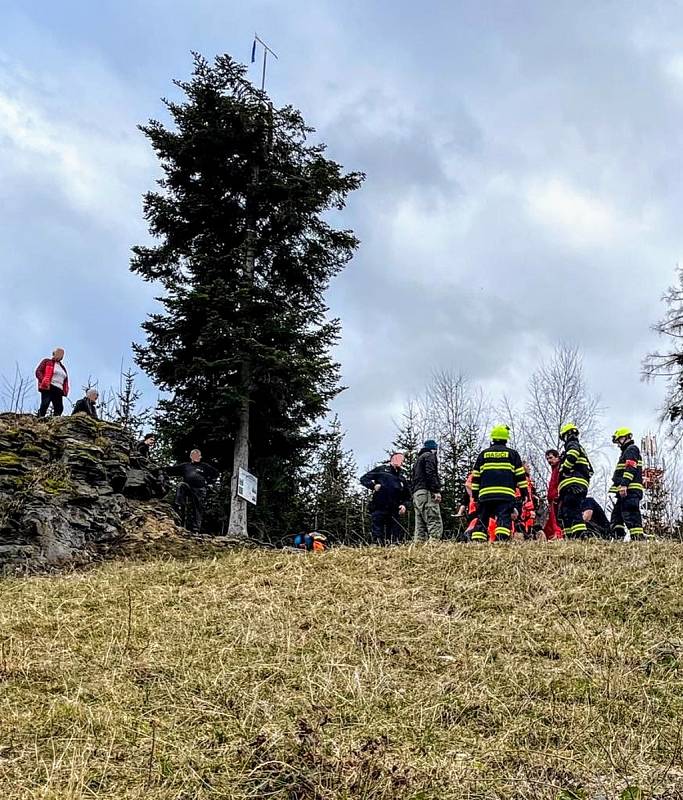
[440,671]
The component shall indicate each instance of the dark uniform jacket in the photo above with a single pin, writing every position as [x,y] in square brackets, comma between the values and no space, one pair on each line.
[426,472]
[196,476]
[143,449]
[394,491]
[629,470]
[85,406]
[575,468]
[599,519]
[497,474]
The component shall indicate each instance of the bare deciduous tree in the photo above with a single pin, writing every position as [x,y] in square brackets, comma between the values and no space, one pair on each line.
[509,414]
[558,394]
[14,391]
[456,413]
[669,365]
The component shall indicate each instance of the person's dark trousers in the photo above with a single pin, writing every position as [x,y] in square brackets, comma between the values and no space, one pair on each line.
[190,505]
[52,395]
[596,531]
[501,511]
[626,515]
[571,514]
[386,528]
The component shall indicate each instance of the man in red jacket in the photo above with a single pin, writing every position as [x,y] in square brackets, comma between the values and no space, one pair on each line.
[53,383]
[552,528]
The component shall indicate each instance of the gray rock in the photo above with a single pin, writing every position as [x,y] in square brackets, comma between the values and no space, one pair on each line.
[69,493]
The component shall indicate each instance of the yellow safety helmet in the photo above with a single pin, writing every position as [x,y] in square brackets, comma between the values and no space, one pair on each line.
[621,433]
[500,433]
[568,428]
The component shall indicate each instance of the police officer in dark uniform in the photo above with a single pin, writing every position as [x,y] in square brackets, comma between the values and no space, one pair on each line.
[390,499]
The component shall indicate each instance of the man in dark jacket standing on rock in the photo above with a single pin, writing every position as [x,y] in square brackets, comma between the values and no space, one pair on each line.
[426,487]
[390,499]
[191,492]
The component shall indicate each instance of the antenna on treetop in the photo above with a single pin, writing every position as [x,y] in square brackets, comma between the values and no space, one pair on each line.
[266,50]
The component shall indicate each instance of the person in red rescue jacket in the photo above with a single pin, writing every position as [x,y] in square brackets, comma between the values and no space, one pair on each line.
[53,383]
[528,505]
[552,527]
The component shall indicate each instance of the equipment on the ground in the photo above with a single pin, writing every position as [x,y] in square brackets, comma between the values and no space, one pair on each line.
[311,542]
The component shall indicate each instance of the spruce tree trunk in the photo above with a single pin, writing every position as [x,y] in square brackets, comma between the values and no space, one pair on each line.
[237,526]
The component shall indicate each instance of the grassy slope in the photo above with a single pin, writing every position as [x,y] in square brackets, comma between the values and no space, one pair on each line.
[432,672]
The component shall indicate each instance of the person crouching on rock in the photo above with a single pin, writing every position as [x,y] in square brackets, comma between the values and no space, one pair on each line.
[144,448]
[87,405]
[191,492]
[53,383]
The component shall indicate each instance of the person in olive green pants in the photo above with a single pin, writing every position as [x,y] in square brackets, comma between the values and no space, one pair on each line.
[426,488]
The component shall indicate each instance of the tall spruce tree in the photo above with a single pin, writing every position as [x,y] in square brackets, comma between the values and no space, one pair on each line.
[246,251]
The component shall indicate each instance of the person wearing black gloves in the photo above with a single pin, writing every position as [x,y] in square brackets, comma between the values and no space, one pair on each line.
[390,499]
[191,492]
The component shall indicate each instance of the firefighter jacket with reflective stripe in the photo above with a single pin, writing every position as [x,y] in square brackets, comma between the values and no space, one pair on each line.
[629,471]
[575,468]
[497,473]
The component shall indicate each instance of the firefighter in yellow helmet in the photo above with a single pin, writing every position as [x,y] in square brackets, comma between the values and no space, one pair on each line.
[498,472]
[575,475]
[627,486]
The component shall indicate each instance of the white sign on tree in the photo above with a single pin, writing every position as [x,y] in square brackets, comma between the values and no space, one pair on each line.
[247,486]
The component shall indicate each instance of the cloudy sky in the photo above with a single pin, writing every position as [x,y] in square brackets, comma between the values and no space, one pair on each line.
[524,180]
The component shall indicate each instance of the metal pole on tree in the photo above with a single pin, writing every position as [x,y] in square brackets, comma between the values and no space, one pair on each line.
[237,525]
[266,51]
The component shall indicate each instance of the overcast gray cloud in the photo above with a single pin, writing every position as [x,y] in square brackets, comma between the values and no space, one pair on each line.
[523,185]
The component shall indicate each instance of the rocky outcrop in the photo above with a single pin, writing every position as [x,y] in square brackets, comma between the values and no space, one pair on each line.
[71,493]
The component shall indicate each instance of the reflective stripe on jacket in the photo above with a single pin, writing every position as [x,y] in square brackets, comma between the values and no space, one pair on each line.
[575,468]
[629,470]
[497,473]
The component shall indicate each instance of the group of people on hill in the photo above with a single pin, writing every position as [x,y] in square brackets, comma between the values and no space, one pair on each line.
[393,493]
[500,501]
[195,475]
